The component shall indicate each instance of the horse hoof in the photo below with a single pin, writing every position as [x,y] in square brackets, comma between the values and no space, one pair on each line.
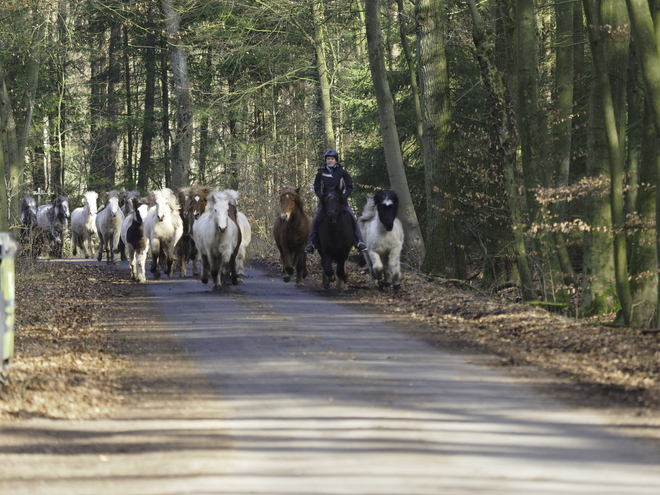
[205,280]
[156,275]
[287,279]
[216,288]
[396,287]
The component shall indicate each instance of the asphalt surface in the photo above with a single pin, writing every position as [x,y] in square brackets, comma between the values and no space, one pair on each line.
[305,396]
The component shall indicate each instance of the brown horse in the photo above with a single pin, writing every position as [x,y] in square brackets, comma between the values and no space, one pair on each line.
[291,230]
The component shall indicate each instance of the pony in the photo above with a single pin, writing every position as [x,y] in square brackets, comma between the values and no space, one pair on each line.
[108,226]
[383,234]
[335,233]
[218,237]
[28,224]
[291,230]
[137,244]
[83,224]
[53,220]
[163,227]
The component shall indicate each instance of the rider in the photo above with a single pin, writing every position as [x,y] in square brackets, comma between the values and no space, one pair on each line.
[330,175]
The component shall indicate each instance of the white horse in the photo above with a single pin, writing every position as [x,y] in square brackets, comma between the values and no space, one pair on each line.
[217,238]
[108,227]
[137,244]
[383,234]
[163,227]
[242,258]
[83,224]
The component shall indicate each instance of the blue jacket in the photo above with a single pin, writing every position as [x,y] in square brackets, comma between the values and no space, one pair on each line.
[323,176]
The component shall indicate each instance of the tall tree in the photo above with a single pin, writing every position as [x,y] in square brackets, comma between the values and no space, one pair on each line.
[615,157]
[399,182]
[504,143]
[445,250]
[182,147]
[322,70]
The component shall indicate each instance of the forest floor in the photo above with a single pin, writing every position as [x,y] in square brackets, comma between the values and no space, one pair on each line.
[69,364]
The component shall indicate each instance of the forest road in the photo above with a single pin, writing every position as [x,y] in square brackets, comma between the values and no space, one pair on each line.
[285,391]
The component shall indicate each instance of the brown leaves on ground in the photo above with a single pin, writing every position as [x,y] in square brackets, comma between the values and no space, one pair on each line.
[67,364]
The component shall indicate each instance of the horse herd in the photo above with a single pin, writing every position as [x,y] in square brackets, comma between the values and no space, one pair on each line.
[202,224]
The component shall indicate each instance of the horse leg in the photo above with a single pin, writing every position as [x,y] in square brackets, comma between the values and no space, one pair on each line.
[155,253]
[216,275]
[205,269]
[328,271]
[74,244]
[287,268]
[342,275]
[101,247]
[141,268]
[395,268]
[301,267]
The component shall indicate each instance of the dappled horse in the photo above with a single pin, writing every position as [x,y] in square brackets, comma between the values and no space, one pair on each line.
[383,234]
[335,234]
[29,226]
[291,230]
[218,238]
[108,227]
[163,227]
[53,219]
[83,225]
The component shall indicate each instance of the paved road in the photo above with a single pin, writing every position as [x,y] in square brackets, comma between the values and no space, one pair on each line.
[309,397]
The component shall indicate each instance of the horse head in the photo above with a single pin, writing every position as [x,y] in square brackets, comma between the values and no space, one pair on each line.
[332,203]
[218,205]
[387,204]
[140,209]
[90,201]
[113,204]
[64,207]
[289,200]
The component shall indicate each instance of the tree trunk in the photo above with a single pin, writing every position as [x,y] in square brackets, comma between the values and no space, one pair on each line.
[615,156]
[413,237]
[445,251]
[145,166]
[648,41]
[504,143]
[322,70]
[95,180]
[184,132]
[413,74]
[165,102]
[129,176]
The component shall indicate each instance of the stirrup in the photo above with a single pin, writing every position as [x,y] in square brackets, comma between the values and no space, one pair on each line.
[310,248]
[361,246]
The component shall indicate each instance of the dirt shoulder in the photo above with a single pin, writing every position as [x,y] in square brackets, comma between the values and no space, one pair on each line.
[82,352]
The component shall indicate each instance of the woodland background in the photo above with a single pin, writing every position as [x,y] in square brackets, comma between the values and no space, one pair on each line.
[521,135]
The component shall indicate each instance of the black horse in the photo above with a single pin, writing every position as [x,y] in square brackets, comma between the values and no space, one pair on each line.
[53,220]
[29,226]
[335,236]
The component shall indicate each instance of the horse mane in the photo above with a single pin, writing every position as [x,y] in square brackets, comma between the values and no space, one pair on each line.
[171,200]
[183,194]
[295,194]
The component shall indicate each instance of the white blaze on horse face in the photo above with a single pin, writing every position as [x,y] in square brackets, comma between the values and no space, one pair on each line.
[388,202]
[222,215]
[114,206]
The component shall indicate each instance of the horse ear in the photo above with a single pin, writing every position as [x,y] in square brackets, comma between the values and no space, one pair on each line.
[297,190]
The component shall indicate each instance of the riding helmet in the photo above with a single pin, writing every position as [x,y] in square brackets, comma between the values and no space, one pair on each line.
[331,153]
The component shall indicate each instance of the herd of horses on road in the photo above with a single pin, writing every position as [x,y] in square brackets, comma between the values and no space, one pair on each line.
[202,224]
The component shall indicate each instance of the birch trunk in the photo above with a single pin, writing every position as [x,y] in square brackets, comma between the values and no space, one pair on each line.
[414,243]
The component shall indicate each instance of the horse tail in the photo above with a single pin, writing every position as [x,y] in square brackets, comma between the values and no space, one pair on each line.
[369,212]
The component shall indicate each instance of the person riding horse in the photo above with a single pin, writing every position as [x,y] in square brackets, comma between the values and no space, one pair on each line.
[331,175]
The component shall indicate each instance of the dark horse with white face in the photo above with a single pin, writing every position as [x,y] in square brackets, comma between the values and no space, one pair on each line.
[335,236]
